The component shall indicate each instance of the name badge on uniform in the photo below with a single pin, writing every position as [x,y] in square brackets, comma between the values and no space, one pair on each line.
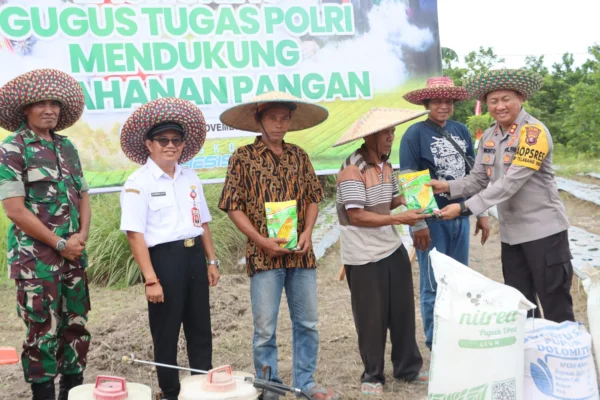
[196,220]
[158,194]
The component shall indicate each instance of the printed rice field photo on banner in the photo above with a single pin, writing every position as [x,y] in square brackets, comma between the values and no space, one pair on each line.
[346,55]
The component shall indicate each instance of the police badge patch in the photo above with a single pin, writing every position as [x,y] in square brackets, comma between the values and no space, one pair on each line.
[532,133]
[533,147]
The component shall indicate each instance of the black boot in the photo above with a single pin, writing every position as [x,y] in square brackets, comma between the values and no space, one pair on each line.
[43,391]
[68,382]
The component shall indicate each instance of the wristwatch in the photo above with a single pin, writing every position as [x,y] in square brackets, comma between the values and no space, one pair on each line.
[215,262]
[61,245]
[464,211]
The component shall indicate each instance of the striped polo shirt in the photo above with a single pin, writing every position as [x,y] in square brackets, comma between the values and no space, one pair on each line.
[367,186]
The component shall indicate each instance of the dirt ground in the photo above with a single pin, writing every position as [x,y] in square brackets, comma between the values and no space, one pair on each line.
[585,179]
[118,322]
[582,214]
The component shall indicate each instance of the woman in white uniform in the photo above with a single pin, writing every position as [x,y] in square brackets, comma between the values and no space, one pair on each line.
[165,217]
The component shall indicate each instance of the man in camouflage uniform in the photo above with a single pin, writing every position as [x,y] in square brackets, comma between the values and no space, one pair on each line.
[45,196]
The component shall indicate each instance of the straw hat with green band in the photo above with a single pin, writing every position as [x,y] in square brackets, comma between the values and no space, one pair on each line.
[181,112]
[527,83]
[243,116]
[440,87]
[41,85]
[377,119]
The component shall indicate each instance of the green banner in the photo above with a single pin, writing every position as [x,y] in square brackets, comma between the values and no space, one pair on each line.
[347,55]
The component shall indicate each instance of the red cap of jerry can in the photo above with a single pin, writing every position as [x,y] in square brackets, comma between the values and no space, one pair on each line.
[220,380]
[110,388]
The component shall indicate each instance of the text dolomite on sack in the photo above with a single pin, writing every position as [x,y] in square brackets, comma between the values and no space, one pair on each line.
[558,361]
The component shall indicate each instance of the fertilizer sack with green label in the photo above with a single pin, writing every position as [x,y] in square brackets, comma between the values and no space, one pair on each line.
[479,326]
[559,362]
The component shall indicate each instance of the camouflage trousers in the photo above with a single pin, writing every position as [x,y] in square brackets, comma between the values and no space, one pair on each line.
[54,310]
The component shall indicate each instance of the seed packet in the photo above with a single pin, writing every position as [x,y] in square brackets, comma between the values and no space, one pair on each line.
[416,194]
[282,222]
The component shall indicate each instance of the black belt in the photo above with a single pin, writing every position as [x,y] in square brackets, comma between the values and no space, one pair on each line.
[191,242]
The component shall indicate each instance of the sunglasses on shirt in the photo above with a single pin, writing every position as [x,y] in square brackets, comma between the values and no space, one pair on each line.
[164,142]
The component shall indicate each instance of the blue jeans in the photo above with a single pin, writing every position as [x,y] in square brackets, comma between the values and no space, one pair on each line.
[451,238]
[301,292]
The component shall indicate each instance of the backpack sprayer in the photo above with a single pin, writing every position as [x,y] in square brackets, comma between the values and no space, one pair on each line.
[261,384]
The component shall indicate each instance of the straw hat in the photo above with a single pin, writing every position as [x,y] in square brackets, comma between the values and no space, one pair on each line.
[378,119]
[40,85]
[437,88]
[182,112]
[242,117]
[519,80]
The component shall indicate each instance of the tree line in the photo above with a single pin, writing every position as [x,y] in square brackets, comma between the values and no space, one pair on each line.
[567,103]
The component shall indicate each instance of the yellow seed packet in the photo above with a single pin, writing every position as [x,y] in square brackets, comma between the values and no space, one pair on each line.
[282,222]
[416,194]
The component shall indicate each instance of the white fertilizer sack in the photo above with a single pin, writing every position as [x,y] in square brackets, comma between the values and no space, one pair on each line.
[479,325]
[559,362]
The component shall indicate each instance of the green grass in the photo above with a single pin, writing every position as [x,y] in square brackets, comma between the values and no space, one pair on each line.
[573,163]
[110,259]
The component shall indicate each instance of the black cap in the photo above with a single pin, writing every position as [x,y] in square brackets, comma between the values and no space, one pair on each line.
[165,126]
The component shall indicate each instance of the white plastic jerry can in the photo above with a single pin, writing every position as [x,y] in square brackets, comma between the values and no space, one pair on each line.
[111,388]
[219,384]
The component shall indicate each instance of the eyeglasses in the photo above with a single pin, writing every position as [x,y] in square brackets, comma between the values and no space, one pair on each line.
[164,142]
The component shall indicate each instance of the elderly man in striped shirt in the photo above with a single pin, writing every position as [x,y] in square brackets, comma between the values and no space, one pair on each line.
[377,264]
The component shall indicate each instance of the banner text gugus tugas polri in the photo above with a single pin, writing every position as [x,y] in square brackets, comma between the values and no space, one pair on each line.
[125,21]
[209,55]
